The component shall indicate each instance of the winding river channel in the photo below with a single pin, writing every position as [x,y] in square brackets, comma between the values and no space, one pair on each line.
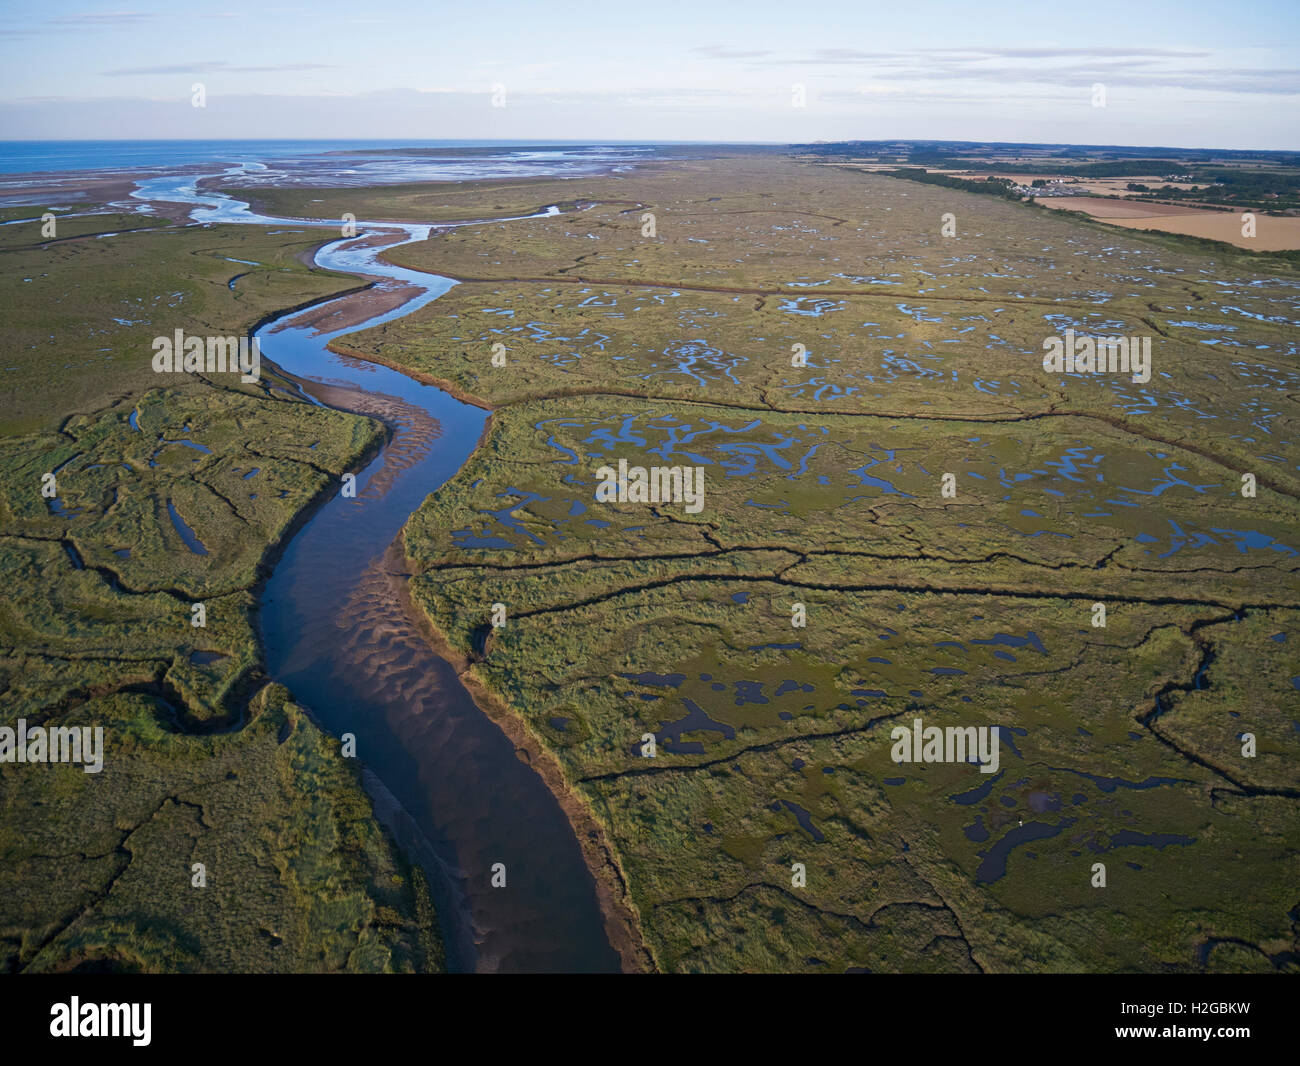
[336,631]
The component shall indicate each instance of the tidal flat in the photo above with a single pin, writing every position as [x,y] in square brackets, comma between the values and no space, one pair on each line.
[1122,744]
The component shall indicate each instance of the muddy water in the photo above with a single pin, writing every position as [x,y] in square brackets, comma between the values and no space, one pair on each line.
[335,632]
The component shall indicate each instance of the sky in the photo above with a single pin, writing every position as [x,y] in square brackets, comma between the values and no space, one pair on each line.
[1192,74]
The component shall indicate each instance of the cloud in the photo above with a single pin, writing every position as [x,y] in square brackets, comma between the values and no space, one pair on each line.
[938,111]
[1071,53]
[956,58]
[714,51]
[105,19]
[971,55]
[214,66]
[1198,79]
[1054,67]
[847,55]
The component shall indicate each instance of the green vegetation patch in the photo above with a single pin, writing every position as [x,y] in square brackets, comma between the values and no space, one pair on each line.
[773,827]
[165,494]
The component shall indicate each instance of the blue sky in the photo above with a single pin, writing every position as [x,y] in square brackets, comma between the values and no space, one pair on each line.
[1188,74]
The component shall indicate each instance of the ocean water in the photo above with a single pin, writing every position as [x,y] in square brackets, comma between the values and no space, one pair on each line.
[364,162]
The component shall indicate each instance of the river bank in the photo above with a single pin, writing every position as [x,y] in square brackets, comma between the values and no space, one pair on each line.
[463,902]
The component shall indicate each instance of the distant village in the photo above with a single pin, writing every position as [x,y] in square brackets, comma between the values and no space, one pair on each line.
[1069,186]
[1051,187]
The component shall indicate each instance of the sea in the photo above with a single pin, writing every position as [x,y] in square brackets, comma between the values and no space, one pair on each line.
[345,162]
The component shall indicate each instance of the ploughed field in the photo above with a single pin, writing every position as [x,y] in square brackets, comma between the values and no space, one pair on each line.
[171,490]
[1120,745]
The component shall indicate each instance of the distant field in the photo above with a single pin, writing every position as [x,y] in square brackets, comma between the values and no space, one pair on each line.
[1098,185]
[1114,202]
[1272,234]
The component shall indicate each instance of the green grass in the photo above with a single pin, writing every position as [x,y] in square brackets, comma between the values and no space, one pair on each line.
[81,314]
[298,876]
[420,202]
[204,761]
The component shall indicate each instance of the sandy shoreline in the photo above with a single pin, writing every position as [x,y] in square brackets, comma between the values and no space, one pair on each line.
[622,921]
[374,300]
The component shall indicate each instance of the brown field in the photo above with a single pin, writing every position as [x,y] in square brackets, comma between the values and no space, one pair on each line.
[1110,210]
[1101,186]
[1271,234]
[1118,186]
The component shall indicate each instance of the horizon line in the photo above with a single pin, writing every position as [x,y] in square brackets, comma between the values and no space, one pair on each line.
[508,142]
